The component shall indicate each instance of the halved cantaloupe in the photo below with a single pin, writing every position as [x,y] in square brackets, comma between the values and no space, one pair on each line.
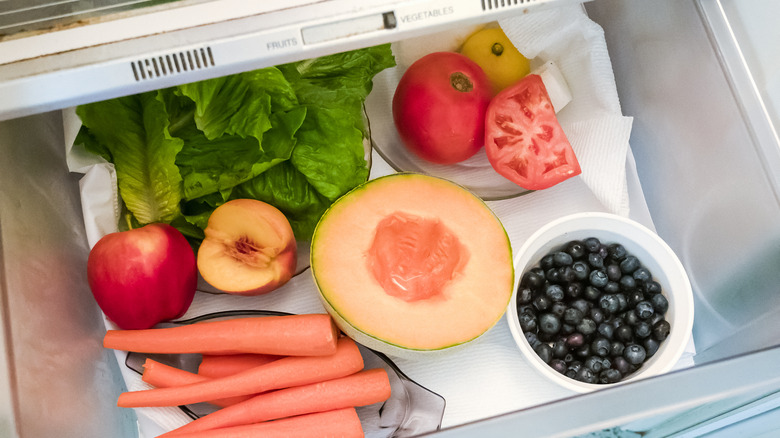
[408,262]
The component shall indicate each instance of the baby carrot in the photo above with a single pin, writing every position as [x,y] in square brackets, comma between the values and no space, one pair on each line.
[282,373]
[359,389]
[161,375]
[220,365]
[342,423]
[294,335]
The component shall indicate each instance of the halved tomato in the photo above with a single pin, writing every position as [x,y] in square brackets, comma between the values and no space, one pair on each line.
[523,139]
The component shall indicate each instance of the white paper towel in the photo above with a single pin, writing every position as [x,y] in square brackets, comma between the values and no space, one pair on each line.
[488,377]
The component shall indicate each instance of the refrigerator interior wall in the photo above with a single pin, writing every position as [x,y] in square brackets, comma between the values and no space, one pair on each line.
[704,178]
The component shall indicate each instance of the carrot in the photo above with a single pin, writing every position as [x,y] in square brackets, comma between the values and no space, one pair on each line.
[342,423]
[164,376]
[220,365]
[359,389]
[282,373]
[294,335]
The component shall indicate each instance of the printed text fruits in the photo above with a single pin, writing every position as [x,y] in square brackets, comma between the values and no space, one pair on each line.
[439,107]
[143,276]
[502,62]
[249,248]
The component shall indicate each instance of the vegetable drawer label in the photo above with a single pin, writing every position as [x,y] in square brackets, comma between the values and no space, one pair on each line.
[427,14]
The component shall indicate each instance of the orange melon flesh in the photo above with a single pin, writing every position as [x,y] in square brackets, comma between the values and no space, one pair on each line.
[446,246]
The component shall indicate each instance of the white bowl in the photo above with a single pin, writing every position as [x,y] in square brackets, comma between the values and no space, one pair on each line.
[651,251]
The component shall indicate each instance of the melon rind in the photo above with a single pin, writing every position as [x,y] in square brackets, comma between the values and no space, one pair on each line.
[495,304]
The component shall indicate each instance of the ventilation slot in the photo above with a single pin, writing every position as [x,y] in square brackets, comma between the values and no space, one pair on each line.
[172,64]
[490,5]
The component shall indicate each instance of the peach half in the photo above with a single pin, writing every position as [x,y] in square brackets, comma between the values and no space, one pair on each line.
[249,248]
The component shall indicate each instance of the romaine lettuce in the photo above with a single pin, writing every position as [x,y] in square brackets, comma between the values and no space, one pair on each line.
[291,135]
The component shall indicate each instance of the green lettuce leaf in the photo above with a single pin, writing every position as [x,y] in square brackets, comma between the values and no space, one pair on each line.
[132,133]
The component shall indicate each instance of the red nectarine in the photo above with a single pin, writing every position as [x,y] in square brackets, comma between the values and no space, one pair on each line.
[249,248]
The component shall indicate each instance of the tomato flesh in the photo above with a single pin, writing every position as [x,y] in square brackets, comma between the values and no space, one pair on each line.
[524,141]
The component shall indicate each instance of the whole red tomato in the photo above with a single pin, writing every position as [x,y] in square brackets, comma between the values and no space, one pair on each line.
[439,107]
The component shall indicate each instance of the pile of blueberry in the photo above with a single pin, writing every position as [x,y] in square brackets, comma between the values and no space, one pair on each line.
[592,311]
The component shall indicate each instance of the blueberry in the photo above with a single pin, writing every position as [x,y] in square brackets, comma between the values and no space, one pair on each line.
[653,287]
[594,363]
[610,375]
[616,348]
[573,368]
[585,375]
[572,316]
[617,251]
[635,297]
[591,244]
[558,308]
[595,261]
[575,340]
[661,330]
[624,333]
[532,280]
[532,339]
[567,329]
[600,346]
[542,302]
[660,303]
[622,365]
[549,323]
[622,300]
[651,346]
[558,365]
[597,315]
[554,292]
[527,321]
[581,305]
[562,258]
[573,290]
[560,349]
[634,354]
[609,302]
[606,330]
[583,351]
[613,272]
[612,287]
[591,293]
[642,275]
[630,317]
[586,326]
[644,309]
[598,278]
[643,329]
[566,274]
[524,295]
[603,251]
[627,283]
[544,352]
[576,249]
[546,262]
[629,264]
[552,275]
[581,270]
